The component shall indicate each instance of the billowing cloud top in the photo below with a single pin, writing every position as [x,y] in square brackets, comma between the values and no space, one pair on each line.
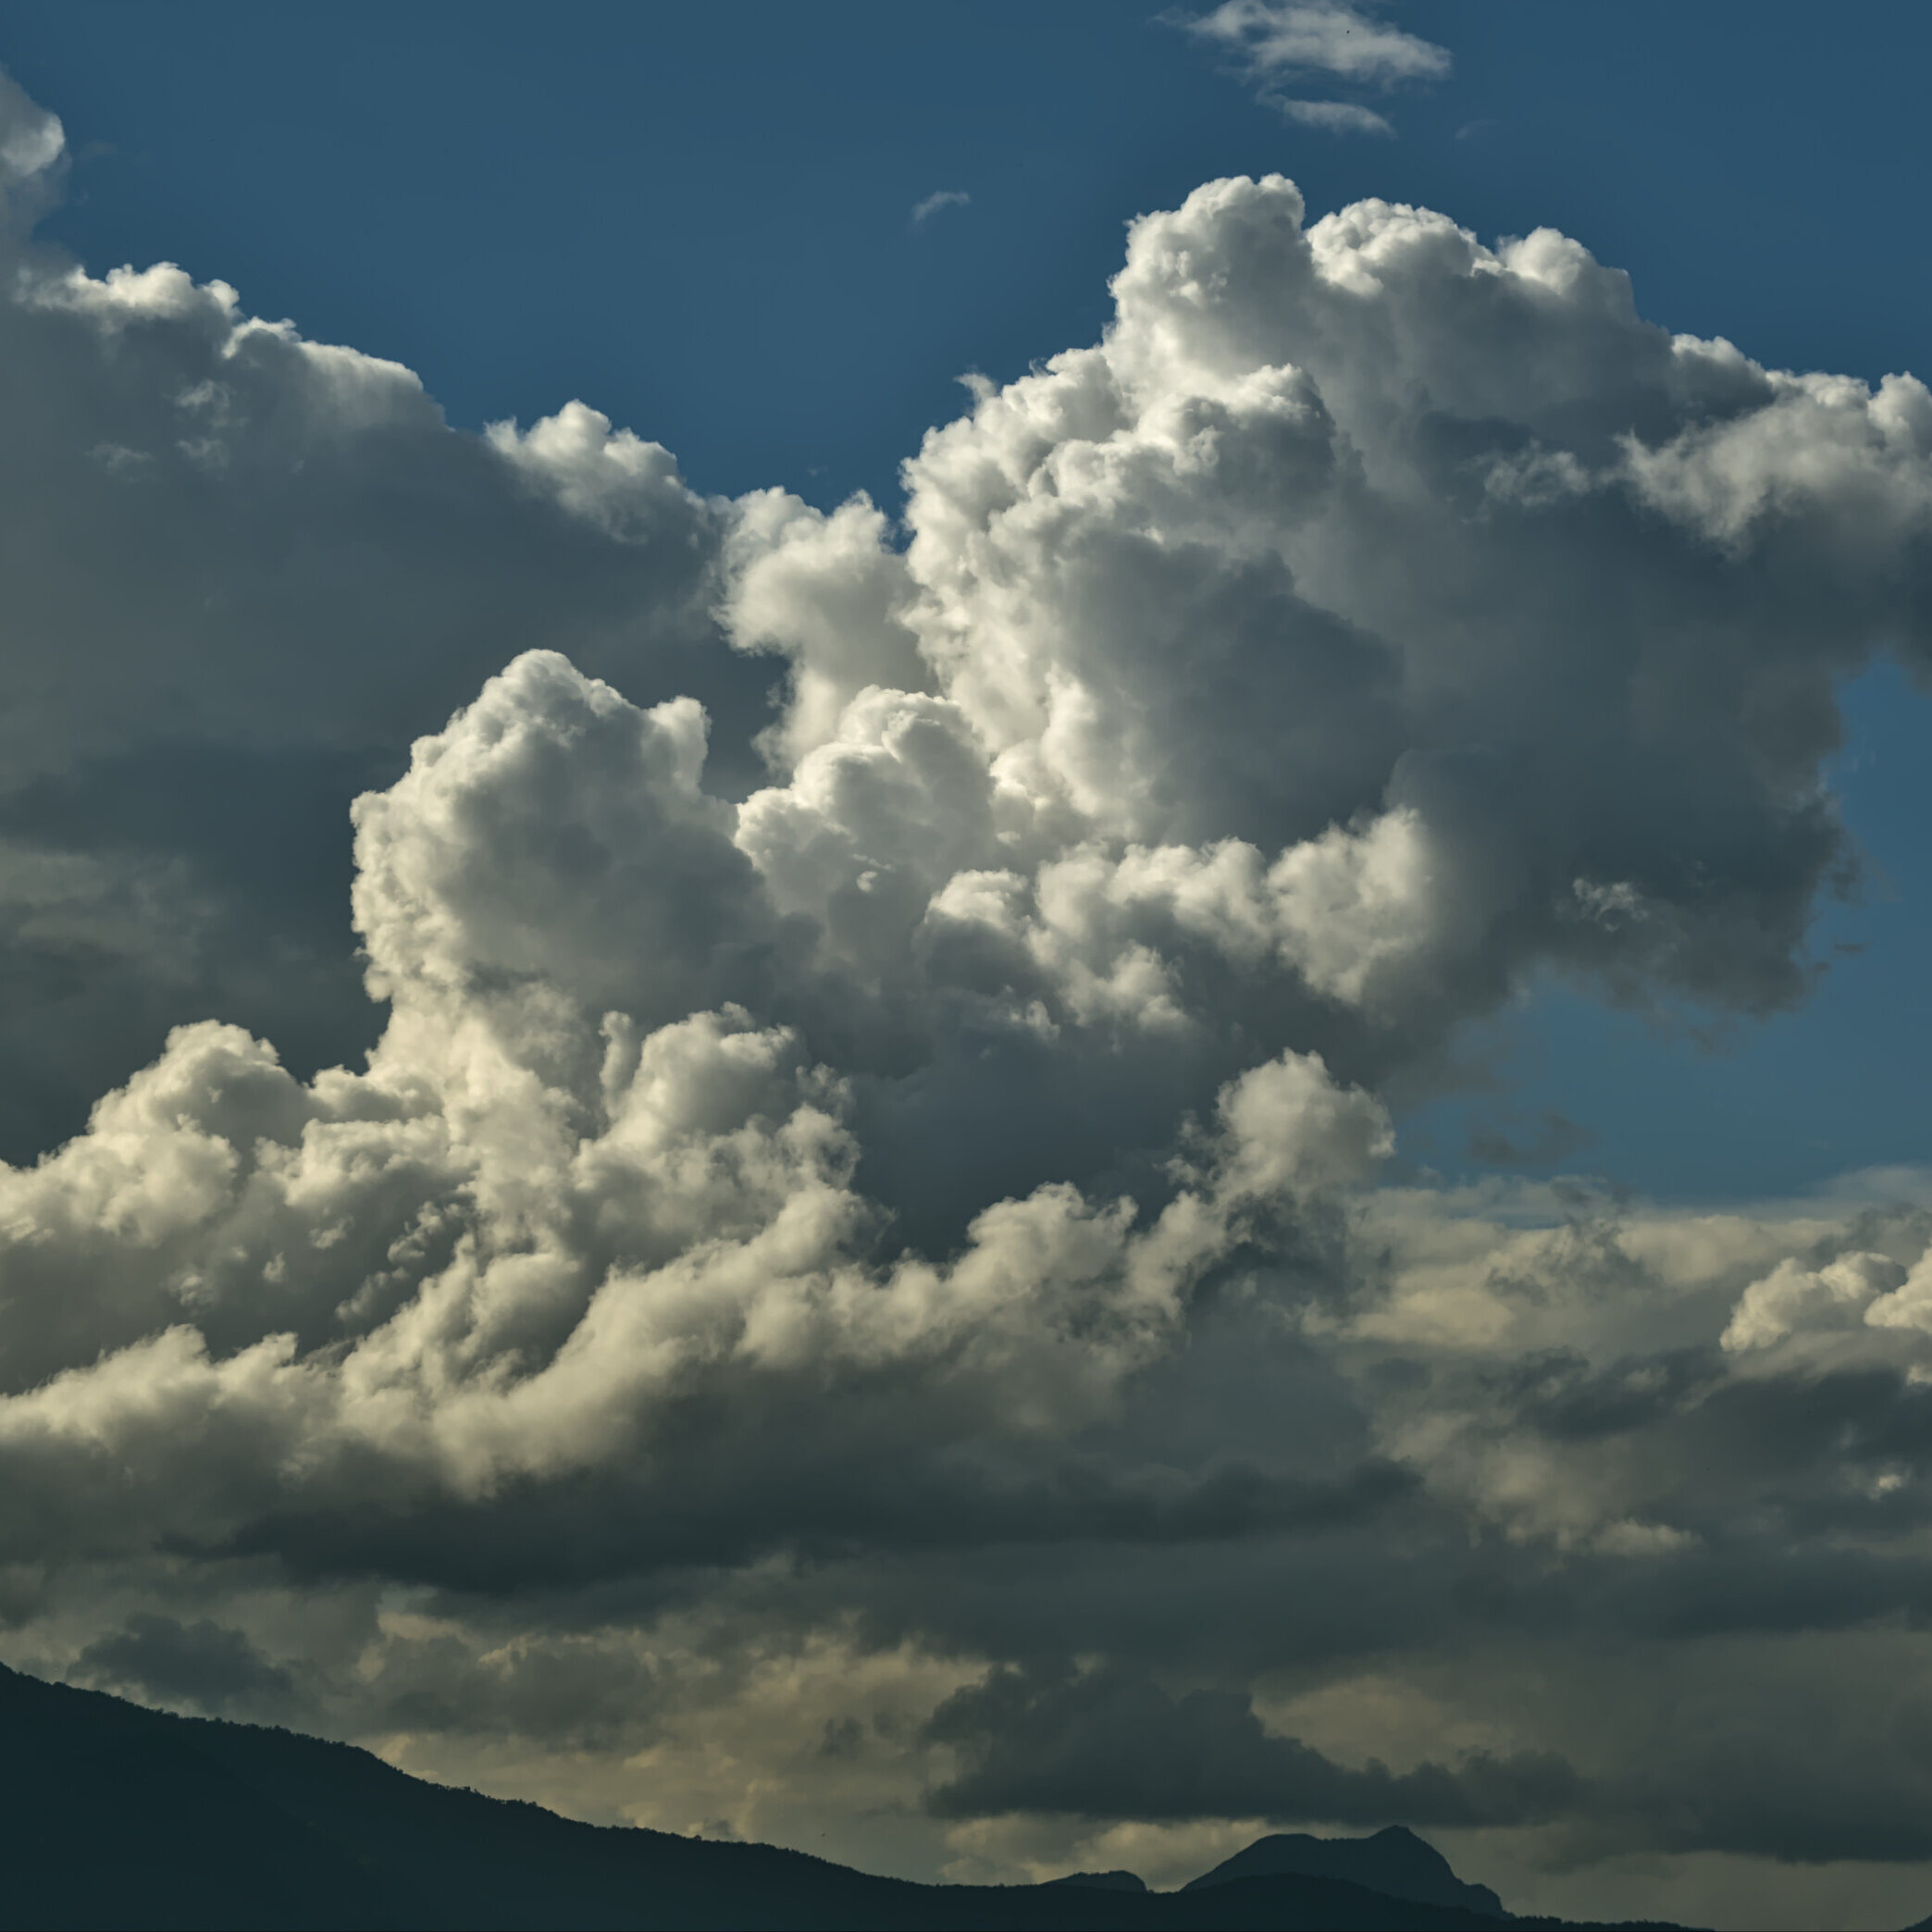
[847,1130]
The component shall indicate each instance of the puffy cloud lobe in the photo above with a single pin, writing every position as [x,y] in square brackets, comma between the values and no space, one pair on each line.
[826,592]
[555,841]
[1854,1290]
[1844,463]
[1794,1296]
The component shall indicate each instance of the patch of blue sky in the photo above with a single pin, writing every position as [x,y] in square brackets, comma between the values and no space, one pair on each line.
[696,218]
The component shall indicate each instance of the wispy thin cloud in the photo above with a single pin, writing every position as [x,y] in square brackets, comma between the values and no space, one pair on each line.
[1278,38]
[1278,43]
[936,203]
[1334,116]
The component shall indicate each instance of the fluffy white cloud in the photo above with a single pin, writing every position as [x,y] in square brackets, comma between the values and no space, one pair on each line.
[1852,1292]
[1793,1296]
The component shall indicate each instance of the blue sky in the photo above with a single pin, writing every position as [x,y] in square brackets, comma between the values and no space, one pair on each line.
[699,221]
[697,217]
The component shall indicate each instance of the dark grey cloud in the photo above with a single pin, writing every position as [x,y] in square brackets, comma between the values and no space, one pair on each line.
[1108,1745]
[158,1658]
[576,1693]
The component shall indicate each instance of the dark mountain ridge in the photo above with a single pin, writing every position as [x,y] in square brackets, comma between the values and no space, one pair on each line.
[114,1815]
[1393,1862]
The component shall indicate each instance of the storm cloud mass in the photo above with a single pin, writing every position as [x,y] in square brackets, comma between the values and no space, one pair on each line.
[822,1261]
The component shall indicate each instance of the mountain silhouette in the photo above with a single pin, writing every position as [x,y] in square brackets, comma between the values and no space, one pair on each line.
[119,1815]
[1393,1862]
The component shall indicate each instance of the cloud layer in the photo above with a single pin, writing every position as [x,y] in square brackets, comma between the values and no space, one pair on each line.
[841,1258]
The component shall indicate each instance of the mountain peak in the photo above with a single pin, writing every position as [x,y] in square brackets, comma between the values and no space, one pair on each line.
[1393,1860]
[1104,1881]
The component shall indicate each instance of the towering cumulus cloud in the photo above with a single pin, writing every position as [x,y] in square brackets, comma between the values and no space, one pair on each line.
[842,1275]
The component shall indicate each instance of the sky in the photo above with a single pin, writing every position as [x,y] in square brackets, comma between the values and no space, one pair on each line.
[989,936]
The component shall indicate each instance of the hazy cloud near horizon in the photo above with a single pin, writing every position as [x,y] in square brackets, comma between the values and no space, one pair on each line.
[824,1256]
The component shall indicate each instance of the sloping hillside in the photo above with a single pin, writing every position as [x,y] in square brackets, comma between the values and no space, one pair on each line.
[119,1815]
